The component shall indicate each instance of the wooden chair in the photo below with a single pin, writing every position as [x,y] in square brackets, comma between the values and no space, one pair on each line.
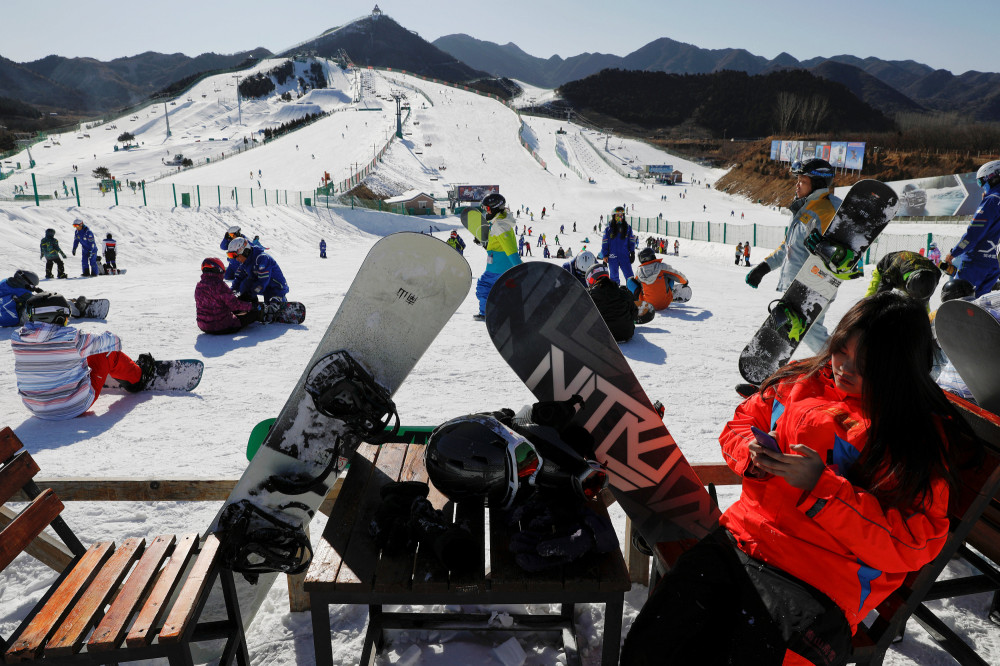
[975,520]
[109,604]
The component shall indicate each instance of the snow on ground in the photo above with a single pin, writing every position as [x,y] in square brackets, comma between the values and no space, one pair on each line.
[685,357]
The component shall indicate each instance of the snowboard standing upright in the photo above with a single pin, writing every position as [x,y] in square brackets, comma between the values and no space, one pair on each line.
[407,289]
[866,210]
[547,328]
[970,336]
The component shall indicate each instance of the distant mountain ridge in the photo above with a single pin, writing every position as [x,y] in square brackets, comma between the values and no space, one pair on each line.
[888,85]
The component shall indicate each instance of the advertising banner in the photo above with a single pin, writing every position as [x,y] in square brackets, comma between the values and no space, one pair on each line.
[475,192]
[855,155]
[950,195]
[775,149]
[838,153]
[660,168]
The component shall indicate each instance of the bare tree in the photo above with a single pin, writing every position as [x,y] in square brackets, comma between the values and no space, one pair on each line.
[786,106]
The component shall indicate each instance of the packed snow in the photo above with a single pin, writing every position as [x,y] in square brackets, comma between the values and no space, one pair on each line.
[686,357]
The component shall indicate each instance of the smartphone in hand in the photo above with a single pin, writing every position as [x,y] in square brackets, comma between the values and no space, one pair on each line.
[765,439]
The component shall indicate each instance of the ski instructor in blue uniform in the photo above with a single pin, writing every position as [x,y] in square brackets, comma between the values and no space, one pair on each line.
[258,275]
[618,245]
[84,238]
[977,249]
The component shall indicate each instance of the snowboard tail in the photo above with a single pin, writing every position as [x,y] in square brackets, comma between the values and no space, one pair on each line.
[289,313]
[547,328]
[85,308]
[179,375]
[970,336]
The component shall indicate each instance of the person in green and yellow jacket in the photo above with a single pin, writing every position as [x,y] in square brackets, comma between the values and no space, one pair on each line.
[908,271]
[51,252]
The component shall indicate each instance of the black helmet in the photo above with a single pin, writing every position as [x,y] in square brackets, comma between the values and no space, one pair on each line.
[493,205]
[48,307]
[597,273]
[477,456]
[957,288]
[49,233]
[23,280]
[820,172]
[921,283]
[646,254]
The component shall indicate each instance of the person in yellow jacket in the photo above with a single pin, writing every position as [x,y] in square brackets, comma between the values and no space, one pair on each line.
[812,210]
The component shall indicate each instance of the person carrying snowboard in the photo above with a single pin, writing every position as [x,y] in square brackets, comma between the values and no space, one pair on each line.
[501,248]
[910,272]
[14,293]
[976,250]
[84,238]
[614,302]
[322,249]
[618,245]
[258,275]
[51,252]
[828,526]
[658,283]
[456,242]
[812,210]
[219,312]
[110,254]
[60,371]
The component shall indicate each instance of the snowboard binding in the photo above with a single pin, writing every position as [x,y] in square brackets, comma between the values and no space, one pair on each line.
[788,320]
[255,542]
[841,260]
[342,389]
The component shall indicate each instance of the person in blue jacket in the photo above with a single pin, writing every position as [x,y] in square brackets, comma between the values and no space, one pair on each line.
[618,245]
[84,238]
[14,293]
[978,247]
[322,249]
[580,264]
[258,275]
[456,242]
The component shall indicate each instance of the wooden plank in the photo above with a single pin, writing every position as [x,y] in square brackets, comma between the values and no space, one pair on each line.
[73,489]
[327,558]
[23,529]
[111,630]
[298,598]
[17,471]
[9,443]
[395,573]
[473,580]
[718,473]
[361,556]
[638,563]
[197,584]
[144,628]
[51,552]
[28,645]
[614,575]
[68,639]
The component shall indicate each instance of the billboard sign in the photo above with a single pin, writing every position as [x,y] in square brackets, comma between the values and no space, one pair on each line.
[660,168]
[475,193]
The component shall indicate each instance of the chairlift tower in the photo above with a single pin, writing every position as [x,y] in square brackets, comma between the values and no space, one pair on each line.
[166,116]
[239,103]
[27,146]
[399,97]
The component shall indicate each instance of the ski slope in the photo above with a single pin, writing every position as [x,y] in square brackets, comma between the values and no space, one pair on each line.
[686,357]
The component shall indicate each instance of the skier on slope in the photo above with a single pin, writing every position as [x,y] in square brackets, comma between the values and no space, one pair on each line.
[812,210]
[618,245]
[14,293]
[258,275]
[658,283]
[501,248]
[60,370]
[50,252]
[219,311]
[614,302]
[84,238]
[977,248]
[580,264]
[456,242]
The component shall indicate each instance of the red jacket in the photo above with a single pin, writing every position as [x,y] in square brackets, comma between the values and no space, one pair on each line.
[216,302]
[837,538]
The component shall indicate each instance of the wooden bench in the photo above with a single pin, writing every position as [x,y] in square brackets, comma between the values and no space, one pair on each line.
[975,520]
[348,569]
[110,605]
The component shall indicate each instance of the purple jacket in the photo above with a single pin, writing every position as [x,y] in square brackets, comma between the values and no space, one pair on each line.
[216,302]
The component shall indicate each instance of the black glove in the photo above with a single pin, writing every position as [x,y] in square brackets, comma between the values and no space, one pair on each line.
[390,524]
[557,530]
[631,257]
[476,241]
[74,251]
[757,273]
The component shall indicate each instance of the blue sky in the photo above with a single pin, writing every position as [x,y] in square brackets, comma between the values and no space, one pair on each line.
[928,31]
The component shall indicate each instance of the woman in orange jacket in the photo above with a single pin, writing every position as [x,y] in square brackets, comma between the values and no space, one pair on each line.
[853,497]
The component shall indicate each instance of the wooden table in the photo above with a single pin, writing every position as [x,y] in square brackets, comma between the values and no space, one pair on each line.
[347,568]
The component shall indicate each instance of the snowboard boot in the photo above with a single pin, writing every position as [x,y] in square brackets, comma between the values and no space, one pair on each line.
[48,276]
[62,276]
[746,390]
[148,367]
[85,274]
[479,317]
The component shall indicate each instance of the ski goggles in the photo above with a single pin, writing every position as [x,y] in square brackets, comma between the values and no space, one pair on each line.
[232,255]
[983,181]
[591,481]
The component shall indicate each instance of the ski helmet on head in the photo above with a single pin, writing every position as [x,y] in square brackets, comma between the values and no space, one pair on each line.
[619,212]
[820,172]
[646,254]
[921,283]
[454,234]
[238,246]
[233,231]
[50,232]
[212,265]
[584,261]
[108,236]
[49,308]
[494,204]
[597,273]
[957,288]
[477,456]
[23,279]
[988,174]
[79,224]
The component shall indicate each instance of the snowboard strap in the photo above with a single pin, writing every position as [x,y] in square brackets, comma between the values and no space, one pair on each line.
[342,389]
[255,542]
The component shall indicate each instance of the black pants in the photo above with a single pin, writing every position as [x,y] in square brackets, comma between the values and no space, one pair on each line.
[109,259]
[719,606]
[58,262]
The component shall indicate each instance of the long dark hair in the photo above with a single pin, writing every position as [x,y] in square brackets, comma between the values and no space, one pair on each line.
[906,409]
